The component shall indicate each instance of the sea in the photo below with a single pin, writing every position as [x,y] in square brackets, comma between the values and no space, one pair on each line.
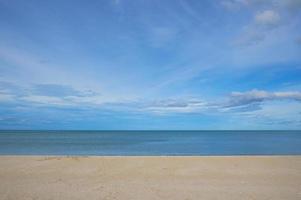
[150,143]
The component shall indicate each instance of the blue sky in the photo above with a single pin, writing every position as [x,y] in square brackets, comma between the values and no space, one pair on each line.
[140,64]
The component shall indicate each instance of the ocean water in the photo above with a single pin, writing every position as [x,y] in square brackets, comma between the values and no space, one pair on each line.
[150,143]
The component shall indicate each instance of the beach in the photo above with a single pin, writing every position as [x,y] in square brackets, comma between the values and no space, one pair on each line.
[150,177]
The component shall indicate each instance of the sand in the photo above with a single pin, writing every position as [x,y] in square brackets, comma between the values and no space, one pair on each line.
[131,178]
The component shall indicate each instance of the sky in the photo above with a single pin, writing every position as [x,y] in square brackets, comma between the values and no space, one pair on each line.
[150,65]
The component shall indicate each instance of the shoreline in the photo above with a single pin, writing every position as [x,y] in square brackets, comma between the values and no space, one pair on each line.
[150,177]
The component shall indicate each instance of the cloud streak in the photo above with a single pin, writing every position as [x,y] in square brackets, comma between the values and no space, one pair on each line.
[258,96]
[65,96]
[6,97]
[176,106]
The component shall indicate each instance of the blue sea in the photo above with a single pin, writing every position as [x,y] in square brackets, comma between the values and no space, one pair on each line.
[148,143]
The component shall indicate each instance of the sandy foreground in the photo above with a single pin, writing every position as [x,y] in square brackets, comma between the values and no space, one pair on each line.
[130,178]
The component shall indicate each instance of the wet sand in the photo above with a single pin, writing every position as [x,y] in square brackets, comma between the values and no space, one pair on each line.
[150,178]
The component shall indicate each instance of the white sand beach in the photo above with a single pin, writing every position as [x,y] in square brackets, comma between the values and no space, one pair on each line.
[150,178]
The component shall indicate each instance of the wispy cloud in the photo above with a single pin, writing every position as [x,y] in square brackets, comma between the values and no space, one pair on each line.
[255,106]
[54,90]
[263,23]
[176,106]
[55,95]
[255,4]
[258,96]
[162,36]
[266,17]
[6,97]
[46,100]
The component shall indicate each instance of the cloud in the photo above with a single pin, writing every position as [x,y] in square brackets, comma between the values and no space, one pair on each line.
[89,100]
[279,4]
[161,36]
[292,5]
[6,97]
[266,16]
[191,10]
[51,95]
[234,4]
[67,101]
[46,100]
[116,2]
[261,26]
[176,106]
[267,19]
[230,5]
[258,96]
[63,101]
[298,40]
[249,37]
[54,90]
[244,108]
[238,102]
[64,96]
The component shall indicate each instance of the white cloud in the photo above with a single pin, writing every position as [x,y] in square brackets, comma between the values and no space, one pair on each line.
[31,71]
[277,114]
[238,102]
[46,100]
[56,95]
[263,23]
[234,4]
[239,4]
[257,96]
[83,101]
[249,37]
[176,106]
[91,100]
[267,18]
[161,36]
[4,97]
[287,95]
